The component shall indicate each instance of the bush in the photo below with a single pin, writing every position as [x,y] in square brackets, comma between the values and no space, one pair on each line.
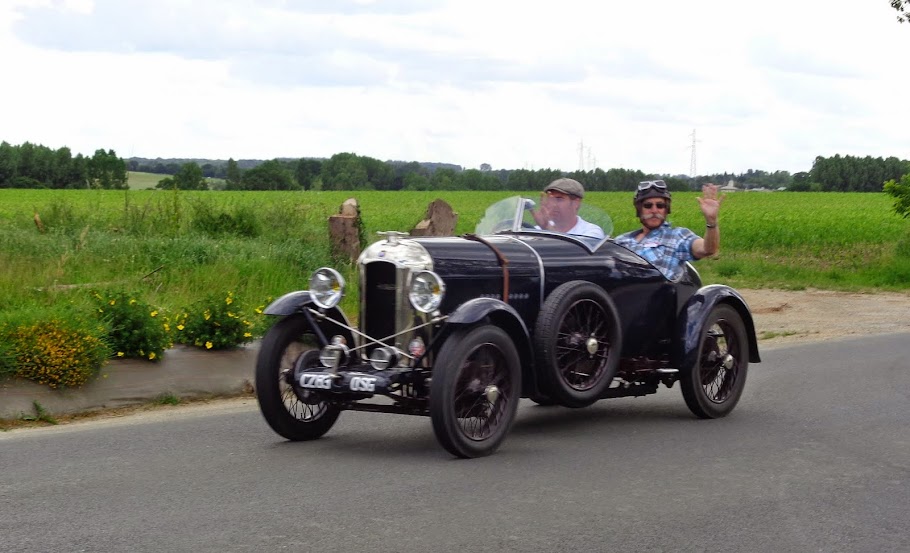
[900,191]
[135,328]
[58,353]
[215,322]
[213,221]
[7,353]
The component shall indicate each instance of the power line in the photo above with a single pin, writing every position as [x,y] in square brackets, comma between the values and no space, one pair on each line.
[692,170]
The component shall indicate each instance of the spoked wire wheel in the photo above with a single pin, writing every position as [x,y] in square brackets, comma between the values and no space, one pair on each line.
[295,415]
[577,340]
[712,387]
[475,390]
[582,347]
[718,366]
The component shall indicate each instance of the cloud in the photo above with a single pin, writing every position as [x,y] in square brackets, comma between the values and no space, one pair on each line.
[514,84]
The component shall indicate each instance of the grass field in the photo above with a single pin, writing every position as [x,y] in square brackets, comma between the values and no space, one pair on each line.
[148,181]
[172,247]
[142,181]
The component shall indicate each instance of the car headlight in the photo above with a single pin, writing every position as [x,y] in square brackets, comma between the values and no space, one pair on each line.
[427,290]
[326,287]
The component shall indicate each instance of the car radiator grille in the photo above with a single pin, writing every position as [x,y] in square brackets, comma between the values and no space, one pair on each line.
[378,309]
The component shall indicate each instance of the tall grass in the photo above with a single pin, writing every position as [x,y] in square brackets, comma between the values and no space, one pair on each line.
[177,246]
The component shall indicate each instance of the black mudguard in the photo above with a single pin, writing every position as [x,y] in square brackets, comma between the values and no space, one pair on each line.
[506,317]
[297,302]
[691,322]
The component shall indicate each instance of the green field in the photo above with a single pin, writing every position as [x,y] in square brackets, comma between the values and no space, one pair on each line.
[148,181]
[172,247]
[143,181]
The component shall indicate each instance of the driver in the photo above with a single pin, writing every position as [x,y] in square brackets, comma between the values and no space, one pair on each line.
[665,246]
[559,205]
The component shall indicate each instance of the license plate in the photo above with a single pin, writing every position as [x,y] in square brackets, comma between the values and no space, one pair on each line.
[316,381]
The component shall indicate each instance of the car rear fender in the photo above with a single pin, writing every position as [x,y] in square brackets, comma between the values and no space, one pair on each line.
[692,319]
[503,315]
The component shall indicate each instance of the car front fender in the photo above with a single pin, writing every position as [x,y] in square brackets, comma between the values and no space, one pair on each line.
[504,316]
[693,315]
[296,302]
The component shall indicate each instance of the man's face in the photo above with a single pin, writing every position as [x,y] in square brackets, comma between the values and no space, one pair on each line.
[653,212]
[561,208]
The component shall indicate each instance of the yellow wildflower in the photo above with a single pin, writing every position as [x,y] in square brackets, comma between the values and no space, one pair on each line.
[208,345]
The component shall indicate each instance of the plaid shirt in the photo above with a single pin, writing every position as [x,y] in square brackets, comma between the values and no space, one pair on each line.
[665,247]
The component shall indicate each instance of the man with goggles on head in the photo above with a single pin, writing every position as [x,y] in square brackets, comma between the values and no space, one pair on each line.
[559,206]
[665,246]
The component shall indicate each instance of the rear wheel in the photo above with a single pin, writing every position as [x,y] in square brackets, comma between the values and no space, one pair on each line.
[306,416]
[475,390]
[712,387]
[578,340]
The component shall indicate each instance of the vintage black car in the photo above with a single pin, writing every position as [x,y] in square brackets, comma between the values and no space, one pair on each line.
[460,328]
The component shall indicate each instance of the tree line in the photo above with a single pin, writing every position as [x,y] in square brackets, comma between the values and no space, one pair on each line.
[850,174]
[36,166]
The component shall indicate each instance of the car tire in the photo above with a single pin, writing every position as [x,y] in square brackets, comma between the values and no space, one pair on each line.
[578,342]
[296,417]
[542,400]
[713,386]
[475,390]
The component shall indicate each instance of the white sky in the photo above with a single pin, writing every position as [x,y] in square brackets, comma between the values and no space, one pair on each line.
[514,83]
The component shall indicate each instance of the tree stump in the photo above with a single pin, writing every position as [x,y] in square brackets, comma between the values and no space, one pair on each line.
[439,220]
[346,231]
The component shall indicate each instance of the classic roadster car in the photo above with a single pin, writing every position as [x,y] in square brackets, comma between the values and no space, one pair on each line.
[460,328]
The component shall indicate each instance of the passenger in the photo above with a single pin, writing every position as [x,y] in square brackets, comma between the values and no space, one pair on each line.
[665,246]
[559,206]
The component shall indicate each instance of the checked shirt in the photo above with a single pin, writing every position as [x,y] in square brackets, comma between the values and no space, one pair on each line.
[665,247]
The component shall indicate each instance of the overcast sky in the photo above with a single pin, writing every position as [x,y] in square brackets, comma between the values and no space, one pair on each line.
[564,84]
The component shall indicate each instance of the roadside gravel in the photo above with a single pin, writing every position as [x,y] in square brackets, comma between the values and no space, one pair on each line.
[787,317]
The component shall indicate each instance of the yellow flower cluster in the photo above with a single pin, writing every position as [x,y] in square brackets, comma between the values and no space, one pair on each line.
[51,354]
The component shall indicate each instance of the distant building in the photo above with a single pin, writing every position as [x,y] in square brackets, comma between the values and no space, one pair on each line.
[485,167]
[729,187]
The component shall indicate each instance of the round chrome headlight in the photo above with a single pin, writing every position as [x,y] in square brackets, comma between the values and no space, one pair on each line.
[426,292]
[326,287]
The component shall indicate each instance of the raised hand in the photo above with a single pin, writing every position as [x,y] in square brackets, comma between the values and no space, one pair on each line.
[709,202]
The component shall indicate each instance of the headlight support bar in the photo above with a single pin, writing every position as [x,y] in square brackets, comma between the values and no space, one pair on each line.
[380,341]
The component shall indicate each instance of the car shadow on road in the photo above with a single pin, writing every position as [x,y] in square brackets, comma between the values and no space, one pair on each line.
[533,419]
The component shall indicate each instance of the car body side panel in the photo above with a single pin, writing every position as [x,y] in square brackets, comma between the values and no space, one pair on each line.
[646,301]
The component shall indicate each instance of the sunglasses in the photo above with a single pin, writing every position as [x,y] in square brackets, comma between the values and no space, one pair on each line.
[649,184]
[658,205]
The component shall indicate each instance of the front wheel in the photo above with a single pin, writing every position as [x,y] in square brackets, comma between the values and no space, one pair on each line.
[712,387]
[296,417]
[475,390]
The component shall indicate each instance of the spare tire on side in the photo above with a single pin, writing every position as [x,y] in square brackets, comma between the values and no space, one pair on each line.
[577,342]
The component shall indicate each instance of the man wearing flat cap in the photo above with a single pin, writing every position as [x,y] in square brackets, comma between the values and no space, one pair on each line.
[559,206]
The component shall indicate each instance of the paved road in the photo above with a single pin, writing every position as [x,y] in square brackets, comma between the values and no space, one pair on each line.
[815,458]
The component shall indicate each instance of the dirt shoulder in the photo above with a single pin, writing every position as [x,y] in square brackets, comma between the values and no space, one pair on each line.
[785,317]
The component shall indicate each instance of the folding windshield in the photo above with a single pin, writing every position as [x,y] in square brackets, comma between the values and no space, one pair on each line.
[515,214]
